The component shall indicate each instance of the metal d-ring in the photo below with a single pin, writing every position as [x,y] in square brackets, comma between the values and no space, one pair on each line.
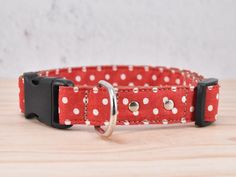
[113,111]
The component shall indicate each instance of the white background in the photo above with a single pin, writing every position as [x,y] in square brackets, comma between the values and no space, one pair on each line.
[193,34]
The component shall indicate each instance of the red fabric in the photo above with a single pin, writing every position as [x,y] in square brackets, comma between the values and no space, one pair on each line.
[133,83]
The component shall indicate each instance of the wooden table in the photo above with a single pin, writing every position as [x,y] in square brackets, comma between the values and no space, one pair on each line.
[30,149]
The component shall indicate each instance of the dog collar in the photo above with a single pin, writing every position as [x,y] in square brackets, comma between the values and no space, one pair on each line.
[118,95]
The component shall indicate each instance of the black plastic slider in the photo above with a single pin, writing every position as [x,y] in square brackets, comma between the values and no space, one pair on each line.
[201,101]
[41,98]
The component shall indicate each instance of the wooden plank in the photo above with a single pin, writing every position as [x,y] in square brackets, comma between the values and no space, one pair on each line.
[28,148]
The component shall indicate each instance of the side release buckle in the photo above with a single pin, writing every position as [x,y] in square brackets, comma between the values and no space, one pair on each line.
[41,98]
[201,101]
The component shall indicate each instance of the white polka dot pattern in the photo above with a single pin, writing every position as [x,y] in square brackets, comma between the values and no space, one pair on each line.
[76,89]
[131,68]
[95,90]
[87,103]
[135,90]
[191,109]
[154,77]
[95,112]
[78,78]
[107,76]
[64,100]
[67,122]
[166,79]
[139,77]
[92,77]
[210,108]
[155,111]
[184,99]
[76,111]
[177,81]
[125,101]
[104,101]
[155,89]
[145,101]
[87,122]
[174,110]
[123,76]
[136,113]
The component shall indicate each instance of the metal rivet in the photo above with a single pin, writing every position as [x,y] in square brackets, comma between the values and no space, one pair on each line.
[133,106]
[169,104]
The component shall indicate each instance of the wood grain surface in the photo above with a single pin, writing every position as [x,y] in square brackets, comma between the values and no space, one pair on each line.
[30,149]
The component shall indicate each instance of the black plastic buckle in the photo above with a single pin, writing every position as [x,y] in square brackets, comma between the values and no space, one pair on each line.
[201,100]
[41,98]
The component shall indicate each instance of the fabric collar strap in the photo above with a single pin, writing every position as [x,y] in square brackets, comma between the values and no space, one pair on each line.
[126,95]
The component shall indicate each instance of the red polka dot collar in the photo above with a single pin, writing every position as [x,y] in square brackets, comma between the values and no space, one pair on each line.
[118,95]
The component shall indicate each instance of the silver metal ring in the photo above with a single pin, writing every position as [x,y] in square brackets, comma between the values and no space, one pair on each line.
[113,111]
